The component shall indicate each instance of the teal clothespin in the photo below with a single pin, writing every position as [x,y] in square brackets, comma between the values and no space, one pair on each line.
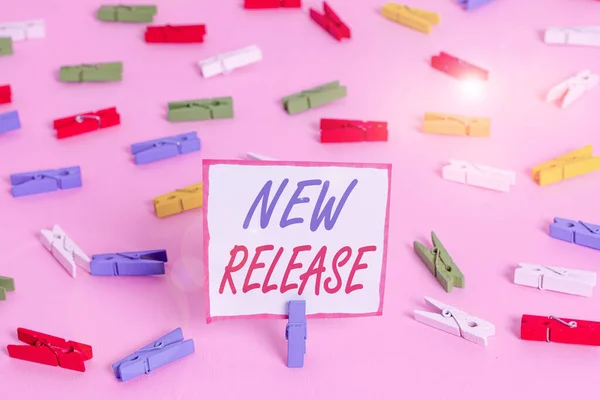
[440,264]
[127,13]
[105,72]
[6,285]
[199,110]
[314,97]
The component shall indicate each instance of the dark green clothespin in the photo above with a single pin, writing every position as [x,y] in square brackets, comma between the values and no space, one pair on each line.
[6,47]
[127,13]
[199,110]
[314,97]
[440,264]
[105,72]
[6,285]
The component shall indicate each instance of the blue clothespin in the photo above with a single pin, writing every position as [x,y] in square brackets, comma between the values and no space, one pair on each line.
[9,121]
[296,334]
[134,263]
[167,147]
[471,4]
[27,183]
[578,232]
[161,352]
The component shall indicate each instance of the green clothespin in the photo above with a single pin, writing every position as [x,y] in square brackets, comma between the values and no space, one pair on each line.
[314,97]
[440,264]
[6,47]
[6,285]
[127,13]
[106,72]
[198,110]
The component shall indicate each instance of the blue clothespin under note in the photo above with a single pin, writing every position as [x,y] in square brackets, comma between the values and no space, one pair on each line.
[161,352]
[471,4]
[578,232]
[134,263]
[9,121]
[27,183]
[167,147]
[296,333]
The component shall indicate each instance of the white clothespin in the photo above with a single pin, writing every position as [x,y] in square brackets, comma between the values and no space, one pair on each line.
[573,88]
[456,322]
[557,279]
[254,156]
[23,30]
[66,252]
[227,62]
[478,175]
[573,35]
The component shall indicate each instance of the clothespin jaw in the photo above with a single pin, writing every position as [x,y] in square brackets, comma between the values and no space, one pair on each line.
[28,183]
[569,165]
[175,34]
[314,97]
[262,4]
[167,147]
[558,279]
[578,232]
[414,18]
[180,200]
[6,285]
[573,88]
[451,124]
[64,250]
[6,46]
[104,72]
[560,330]
[133,263]
[200,110]
[164,350]
[296,333]
[50,350]
[86,122]
[10,121]
[331,22]
[469,5]
[124,13]
[5,94]
[440,264]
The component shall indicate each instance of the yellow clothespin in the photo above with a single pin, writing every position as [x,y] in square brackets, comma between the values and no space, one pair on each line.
[420,20]
[176,202]
[570,165]
[449,124]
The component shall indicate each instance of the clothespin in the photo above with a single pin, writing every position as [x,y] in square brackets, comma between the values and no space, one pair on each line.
[573,35]
[159,353]
[180,200]
[440,264]
[64,250]
[167,147]
[456,322]
[124,13]
[569,165]
[133,263]
[414,18]
[23,30]
[449,124]
[175,34]
[557,279]
[345,130]
[471,4]
[28,183]
[578,232]
[227,62]
[9,122]
[6,46]
[261,4]
[314,97]
[200,110]
[50,350]
[478,175]
[104,72]
[458,68]
[5,94]
[573,88]
[331,22]
[86,122]
[6,285]
[259,157]
[560,330]
[296,333]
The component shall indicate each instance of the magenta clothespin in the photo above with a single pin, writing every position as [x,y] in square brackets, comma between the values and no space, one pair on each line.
[295,333]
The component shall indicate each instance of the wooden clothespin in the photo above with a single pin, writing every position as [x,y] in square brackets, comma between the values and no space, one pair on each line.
[414,18]
[450,124]
[188,198]
[557,279]
[440,264]
[569,165]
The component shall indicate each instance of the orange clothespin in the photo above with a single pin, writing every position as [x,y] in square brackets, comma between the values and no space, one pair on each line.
[449,124]
[331,22]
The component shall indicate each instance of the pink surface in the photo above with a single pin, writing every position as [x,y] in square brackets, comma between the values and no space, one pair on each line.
[206,235]
[385,68]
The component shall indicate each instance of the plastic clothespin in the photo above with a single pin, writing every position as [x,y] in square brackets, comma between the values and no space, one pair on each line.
[296,333]
[557,279]
[578,232]
[440,264]
[6,285]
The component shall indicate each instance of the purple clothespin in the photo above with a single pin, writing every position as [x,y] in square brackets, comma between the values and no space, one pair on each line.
[578,232]
[296,333]
[134,263]
[161,352]
[471,4]
[9,121]
[167,147]
[27,183]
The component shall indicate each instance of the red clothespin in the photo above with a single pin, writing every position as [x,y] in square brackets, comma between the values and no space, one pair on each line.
[50,350]
[331,22]
[86,122]
[343,130]
[5,94]
[457,68]
[560,330]
[255,4]
[175,34]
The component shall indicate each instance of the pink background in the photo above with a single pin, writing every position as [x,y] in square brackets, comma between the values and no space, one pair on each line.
[385,68]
